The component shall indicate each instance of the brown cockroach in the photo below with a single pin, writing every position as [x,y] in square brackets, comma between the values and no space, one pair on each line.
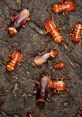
[15,59]
[64,7]
[42,90]
[43,57]
[18,22]
[59,65]
[76,35]
[57,85]
[51,28]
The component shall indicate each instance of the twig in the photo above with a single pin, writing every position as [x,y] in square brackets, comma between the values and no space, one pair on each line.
[35,27]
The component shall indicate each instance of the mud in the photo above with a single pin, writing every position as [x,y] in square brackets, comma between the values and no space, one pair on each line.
[16,88]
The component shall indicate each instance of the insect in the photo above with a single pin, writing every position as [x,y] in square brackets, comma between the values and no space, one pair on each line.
[43,57]
[64,7]
[15,59]
[57,85]
[76,35]
[51,28]
[42,90]
[59,65]
[18,22]
[30,114]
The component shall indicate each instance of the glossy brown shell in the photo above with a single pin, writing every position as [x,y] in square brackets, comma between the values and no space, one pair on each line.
[66,6]
[14,60]
[18,21]
[76,35]
[53,30]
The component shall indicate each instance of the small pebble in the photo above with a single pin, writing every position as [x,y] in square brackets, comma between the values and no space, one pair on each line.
[65,104]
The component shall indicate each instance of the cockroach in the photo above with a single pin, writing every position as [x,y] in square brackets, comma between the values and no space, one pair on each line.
[42,90]
[59,65]
[51,28]
[18,22]
[15,59]
[57,85]
[30,114]
[76,35]
[43,57]
[64,7]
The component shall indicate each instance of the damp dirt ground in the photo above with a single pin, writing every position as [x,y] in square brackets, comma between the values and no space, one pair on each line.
[16,88]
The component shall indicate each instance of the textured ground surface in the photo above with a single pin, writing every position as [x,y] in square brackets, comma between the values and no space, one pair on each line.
[15,87]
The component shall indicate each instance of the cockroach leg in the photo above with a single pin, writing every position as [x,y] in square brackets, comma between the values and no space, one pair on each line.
[24,26]
[59,92]
[60,79]
[65,46]
[55,91]
[60,27]
[19,64]
[47,99]
[10,54]
[11,18]
[66,13]
[39,53]
[66,78]
[25,57]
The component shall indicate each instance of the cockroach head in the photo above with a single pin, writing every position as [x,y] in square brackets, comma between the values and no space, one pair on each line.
[12,31]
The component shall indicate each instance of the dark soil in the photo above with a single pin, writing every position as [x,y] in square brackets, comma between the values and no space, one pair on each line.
[16,88]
